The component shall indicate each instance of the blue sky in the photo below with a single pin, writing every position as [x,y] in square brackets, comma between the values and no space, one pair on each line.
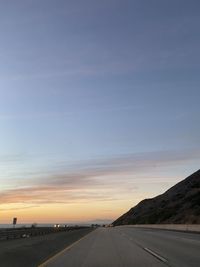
[98,89]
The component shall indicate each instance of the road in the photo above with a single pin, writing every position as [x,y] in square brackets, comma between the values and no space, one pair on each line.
[30,252]
[129,247]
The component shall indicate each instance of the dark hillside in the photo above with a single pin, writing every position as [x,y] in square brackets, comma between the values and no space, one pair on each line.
[179,204]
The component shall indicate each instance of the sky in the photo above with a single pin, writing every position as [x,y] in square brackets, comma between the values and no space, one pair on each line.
[99,105]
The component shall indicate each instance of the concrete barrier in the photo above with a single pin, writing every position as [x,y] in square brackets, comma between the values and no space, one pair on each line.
[175,227]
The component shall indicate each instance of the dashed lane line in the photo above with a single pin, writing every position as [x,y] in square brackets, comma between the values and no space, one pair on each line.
[155,255]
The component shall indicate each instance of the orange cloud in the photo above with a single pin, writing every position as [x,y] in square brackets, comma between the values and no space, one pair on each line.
[105,180]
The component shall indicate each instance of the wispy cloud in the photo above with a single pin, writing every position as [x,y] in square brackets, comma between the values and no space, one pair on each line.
[97,180]
[11,158]
[46,115]
[24,207]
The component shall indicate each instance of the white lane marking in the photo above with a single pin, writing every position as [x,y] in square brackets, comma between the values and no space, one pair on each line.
[155,254]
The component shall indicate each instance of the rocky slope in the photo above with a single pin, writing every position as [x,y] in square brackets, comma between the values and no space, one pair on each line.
[179,204]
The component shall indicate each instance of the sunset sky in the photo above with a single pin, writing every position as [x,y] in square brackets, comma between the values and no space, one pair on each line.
[99,105]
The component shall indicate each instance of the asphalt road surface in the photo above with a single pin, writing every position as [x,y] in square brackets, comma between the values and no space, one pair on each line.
[30,252]
[129,247]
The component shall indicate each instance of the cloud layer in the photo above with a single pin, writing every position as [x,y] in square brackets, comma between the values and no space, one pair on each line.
[98,180]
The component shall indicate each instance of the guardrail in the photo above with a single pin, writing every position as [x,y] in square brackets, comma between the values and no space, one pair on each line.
[6,234]
[175,227]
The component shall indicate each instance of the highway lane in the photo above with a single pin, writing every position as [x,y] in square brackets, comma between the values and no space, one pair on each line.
[129,247]
[30,252]
[179,248]
[105,247]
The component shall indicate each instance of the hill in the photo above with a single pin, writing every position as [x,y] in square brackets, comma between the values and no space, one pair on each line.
[179,204]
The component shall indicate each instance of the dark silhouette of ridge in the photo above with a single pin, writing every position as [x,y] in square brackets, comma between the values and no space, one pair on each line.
[179,205]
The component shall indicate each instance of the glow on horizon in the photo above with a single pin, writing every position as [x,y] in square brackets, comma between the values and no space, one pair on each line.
[99,189]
